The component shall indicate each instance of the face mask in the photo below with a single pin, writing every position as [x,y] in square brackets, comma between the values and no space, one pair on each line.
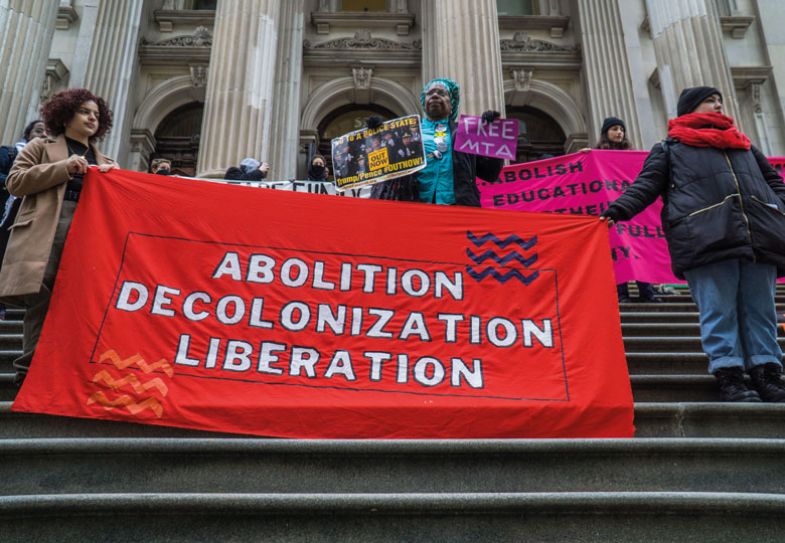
[317,170]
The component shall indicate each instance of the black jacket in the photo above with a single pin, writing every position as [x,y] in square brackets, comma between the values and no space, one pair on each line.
[718,204]
[236,174]
[465,167]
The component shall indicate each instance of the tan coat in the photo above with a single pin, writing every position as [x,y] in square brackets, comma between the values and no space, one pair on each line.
[39,175]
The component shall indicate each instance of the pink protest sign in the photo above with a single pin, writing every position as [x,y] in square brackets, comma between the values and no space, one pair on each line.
[498,139]
[584,183]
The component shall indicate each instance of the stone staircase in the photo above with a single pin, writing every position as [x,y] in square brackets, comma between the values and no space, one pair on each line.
[698,470]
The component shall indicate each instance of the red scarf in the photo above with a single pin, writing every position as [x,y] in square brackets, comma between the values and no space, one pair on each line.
[708,130]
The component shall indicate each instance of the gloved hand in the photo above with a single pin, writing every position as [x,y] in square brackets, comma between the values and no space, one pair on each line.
[373,122]
[609,215]
[490,116]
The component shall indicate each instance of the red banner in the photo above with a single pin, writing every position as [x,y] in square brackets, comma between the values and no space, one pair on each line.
[201,305]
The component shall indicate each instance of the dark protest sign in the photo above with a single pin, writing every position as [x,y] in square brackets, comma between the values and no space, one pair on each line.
[498,139]
[368,156]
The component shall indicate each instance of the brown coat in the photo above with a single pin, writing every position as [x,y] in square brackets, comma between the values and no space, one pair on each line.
[39,175]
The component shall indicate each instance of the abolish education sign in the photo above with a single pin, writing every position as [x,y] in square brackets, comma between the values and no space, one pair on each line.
[242,317]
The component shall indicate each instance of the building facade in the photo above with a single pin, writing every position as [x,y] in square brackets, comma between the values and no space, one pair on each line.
[208,82]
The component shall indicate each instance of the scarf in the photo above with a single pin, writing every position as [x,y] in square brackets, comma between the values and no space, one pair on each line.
[708,130]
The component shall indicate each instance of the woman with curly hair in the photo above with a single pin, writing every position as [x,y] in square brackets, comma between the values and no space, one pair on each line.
[48,174]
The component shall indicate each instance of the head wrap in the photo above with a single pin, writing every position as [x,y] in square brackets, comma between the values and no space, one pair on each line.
[453,88]
[692,97]
[249,164]
[611,122]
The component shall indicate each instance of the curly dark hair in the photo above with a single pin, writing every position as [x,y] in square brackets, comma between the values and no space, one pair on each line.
[62,107]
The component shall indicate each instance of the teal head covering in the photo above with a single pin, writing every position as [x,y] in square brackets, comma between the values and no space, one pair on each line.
[452,87]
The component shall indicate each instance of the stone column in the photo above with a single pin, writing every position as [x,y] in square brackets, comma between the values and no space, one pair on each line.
[112,66]
[606,68]
[238,105]
[285,131]
[26,30]
[688,46]
[461,42]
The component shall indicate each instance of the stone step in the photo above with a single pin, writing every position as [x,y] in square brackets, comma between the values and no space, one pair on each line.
[9,341]
[685,369]
[678,344]
[211,465]
[652,419]
[629,317]
[637,307]
[716,419]
[674,388]
[457,517]
[658,329]
[661,363]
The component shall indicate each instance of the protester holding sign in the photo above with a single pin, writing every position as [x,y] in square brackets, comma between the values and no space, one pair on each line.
[48,174]
[449,175]
[613,136]
[724,220]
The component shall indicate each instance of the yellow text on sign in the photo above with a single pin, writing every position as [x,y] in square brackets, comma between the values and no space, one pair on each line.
[378,159]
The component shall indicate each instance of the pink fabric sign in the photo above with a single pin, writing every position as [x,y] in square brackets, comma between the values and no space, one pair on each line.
[498,139]
[584,183]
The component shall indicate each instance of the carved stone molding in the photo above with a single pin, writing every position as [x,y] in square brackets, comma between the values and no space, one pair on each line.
[364,42]
[169,19]
[736,25]
[522,42]
[66,16]
[362,77]
[751,78]
[323,21]
[555,24]
[56,78]
[522,79]
[193,49]
[524,51]
[198,75]
[202,37]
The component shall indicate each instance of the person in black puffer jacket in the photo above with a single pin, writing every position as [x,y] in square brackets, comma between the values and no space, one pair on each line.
[724,220]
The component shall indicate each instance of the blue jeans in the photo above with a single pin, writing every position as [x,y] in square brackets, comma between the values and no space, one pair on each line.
[738,316]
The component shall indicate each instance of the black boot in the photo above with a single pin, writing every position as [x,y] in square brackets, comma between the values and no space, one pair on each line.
[732,386]
[767,380]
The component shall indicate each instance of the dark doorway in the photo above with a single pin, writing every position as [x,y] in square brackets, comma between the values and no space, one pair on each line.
[541,137]
[177,138]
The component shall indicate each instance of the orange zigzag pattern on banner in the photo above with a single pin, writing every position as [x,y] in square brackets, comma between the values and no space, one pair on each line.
[139,361]
[126,401]
[104,377]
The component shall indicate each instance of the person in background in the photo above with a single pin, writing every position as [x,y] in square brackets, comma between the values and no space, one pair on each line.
[449,176]
[613,136]
[250,169]
[9,204]
[161,166]
[724,221]
[48,175]
[318,171]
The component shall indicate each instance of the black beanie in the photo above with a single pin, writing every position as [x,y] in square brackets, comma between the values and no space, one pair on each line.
[692,98]
[609,122]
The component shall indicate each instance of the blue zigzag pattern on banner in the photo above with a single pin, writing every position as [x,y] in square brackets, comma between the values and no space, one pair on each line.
[502,277]
[479,259]
[502,243]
